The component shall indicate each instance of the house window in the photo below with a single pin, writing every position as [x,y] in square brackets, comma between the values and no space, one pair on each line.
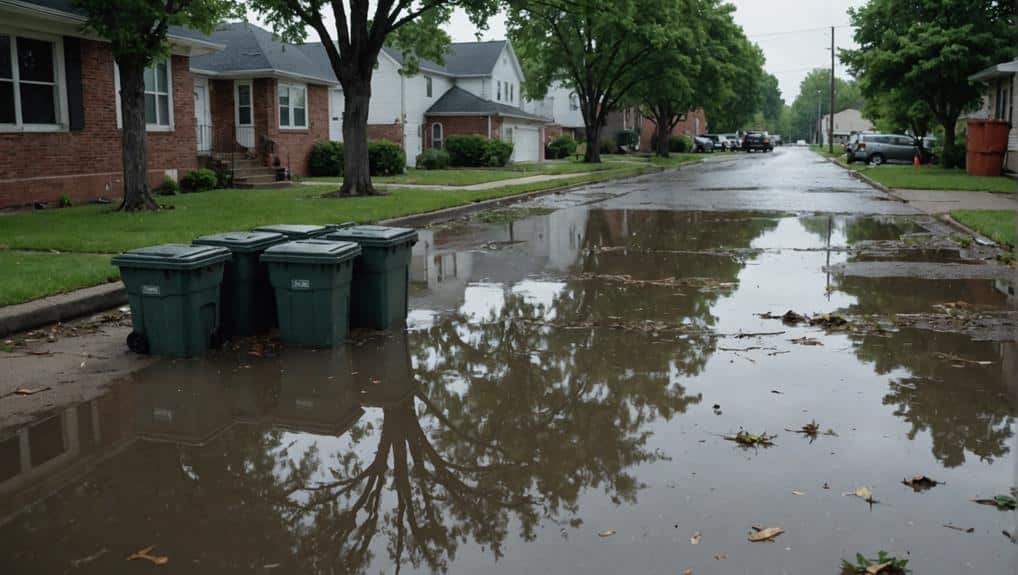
[512,90]
[574,102]
[293,106]
[427,85]
[30,82]
[157,80]
[507,134]
[244,104]
[436,136]
[499,92]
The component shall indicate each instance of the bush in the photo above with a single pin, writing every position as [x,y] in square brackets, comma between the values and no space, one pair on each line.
[65,200]
[198,180]
[498,153]
[432,159]
[169,187]
[957,157]
[680,144]
[469,150]
[561,147]
[627,138]
[385,158]
[326,159]
[607,146]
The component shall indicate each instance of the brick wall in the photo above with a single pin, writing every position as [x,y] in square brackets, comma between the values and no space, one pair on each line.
[291,147]
[687,126]
[223,112]
[82,163]
[460,125]
[392,132]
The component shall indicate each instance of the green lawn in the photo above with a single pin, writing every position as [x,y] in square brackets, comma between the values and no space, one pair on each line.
[998,225]
[95,229]
[936,178]
[839,152]
[471,176]
[32,275]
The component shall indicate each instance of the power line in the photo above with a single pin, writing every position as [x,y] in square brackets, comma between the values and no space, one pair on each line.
[800,31]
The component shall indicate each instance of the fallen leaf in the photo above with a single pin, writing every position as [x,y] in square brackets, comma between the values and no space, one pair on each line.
[797,492]
[792,318]
[826,486]
[607,533]
[746,438]
[145,554]
[687,572]
[765,534]
[1002,502]
[806,341]
[29,390]
[863,493]
[877,568]
[695,539]
[1012,538]
[920,482]
[720,556]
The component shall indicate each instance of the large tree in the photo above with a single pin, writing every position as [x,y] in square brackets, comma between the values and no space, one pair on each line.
[352,45]
[591,46]
[925,51]
[137,32]
[814,95]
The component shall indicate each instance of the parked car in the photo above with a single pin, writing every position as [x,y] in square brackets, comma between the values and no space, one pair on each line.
[882,148]
[800,142]
[757,141]
[702,144]
[734,141]
[721,141]
[776,138]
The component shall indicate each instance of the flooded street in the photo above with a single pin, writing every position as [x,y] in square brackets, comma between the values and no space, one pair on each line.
[561,398]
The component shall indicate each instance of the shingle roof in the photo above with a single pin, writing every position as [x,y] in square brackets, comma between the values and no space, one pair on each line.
[460,102]
[250,48]
[461,58]
[1002,69]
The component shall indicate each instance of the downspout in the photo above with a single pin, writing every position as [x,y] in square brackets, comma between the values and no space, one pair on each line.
[489,126]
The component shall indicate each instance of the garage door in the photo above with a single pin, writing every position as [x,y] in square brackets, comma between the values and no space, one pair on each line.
[526,144]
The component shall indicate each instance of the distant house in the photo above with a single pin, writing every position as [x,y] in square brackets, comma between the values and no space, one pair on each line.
[846,122]
[1000,100]
[692,123]
[561,105]
[60,116]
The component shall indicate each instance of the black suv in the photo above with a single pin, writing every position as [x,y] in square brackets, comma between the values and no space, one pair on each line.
[757,141]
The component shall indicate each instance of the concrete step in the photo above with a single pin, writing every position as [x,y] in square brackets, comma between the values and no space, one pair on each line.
[248,185]
[246,171]
[257,180]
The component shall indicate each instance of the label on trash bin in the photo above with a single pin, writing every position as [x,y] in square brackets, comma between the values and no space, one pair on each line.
[300,284]
[150,290]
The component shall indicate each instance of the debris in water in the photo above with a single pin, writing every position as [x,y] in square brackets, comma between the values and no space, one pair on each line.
[828,320]
[75,563]
[748,439]
[797,492]
[812,428]
[145,554]
[790,318]
[695,539]
[806,341]
[607,533]
[1011,538]
[920,482]
[961,361]
[1002,502]
[765,533]
[863,493]
[687,572]
[720,556]
[884,564]
[826,485]
[962,529]
[30,390]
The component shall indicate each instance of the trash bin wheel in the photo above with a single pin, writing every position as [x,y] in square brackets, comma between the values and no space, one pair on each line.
[137,343]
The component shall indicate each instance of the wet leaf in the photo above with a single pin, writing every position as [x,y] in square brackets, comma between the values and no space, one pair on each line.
[797,492]
[828,320]
[720,556]
[147,556]
[1010,537]
[920,482]
[695,539]
[748,439]
[687,572]
[1002,502]
[607,533]
[765,533]
[863,493]
[806,341]
[29,390]
[878,568]
[793,318]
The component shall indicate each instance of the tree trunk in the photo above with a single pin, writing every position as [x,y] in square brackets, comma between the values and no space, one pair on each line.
[356,167]
[948,154]
[593,153]
[137,196]
[663,137]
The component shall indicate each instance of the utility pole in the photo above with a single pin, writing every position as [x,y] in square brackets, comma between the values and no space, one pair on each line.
[830,124]
[818,132]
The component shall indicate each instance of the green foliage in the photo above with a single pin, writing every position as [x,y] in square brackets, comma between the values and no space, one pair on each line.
[64,201]
[895,566]
[680,144]
[199,180]
[169,187]
[386,158]
[562,146]
[955,156]
[432,159]
[928,56]
[466,150]
[627,138]
[326,159]
[815,94]
[998,225]
[497,153]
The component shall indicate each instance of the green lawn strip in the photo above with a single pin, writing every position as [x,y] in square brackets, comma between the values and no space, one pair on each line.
[936,178]
[677,159]
[471,176]
[32,275]
[998,225]
[839,152]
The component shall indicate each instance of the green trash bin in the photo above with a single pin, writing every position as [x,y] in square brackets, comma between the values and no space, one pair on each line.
[381,275]
[173,290]
[294,232]
[248,304]
[311,279]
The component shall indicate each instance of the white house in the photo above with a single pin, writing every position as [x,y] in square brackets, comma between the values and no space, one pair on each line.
[477,90]
[846,122]
[562,106]
[999,102]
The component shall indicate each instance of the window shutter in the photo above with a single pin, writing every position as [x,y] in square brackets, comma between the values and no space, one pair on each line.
[72,67]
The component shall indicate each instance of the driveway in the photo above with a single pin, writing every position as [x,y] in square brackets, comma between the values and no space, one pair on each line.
[567,397]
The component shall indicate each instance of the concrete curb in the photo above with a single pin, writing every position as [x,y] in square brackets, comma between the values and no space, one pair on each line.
[63,307]
[867,180]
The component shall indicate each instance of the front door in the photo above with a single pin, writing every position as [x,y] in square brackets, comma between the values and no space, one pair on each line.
[202,116]
[244,106]
[336,114]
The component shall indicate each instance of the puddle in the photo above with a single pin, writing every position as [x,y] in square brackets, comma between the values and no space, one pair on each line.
[545,395]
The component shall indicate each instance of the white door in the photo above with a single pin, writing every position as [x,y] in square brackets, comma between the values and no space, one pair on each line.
[412,143]
[336,102]
[243,104]
[202,116]
[526,144]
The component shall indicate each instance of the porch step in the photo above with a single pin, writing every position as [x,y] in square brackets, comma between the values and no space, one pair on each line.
[258,180]
[274,184]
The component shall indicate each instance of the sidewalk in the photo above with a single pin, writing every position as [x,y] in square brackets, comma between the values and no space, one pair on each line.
[473,187]
[937,202]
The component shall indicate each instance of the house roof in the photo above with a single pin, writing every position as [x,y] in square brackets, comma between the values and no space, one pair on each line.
[67,10]
[1004,69]
[251,49]
[462,59]
[459,102]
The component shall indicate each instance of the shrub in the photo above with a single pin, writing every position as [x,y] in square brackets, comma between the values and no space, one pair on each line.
[469,150]
[561,147]
[65,200]
[432,159]
[627,138]
[607,146]
[957,158]
[680,144]
[498,153]
[198,180]
[169,187]
[385,158]
[326,159]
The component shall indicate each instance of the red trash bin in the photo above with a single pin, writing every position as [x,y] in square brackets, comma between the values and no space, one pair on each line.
[986,144]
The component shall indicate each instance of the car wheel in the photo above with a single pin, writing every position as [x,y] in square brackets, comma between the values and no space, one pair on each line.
[876,159]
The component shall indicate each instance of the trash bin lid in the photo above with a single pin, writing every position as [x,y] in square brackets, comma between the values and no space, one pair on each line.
[312,252]
[172,257]
[241,242]
[294,231]
[374,236]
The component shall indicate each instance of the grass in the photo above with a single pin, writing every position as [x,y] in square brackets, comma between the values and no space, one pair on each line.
[936,178]
[82,232]
[998,225]
[471,176]
[839,152]
[32,275]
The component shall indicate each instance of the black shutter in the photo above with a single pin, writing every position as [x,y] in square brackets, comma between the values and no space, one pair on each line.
[72,66]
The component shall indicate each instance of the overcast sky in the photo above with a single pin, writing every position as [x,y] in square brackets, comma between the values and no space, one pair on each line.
[794,34]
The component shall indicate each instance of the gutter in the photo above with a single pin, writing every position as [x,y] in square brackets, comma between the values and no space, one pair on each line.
[261,73]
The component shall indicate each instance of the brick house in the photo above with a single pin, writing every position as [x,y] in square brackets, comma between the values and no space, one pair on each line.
[59,107]
[263,99]
[691,124]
